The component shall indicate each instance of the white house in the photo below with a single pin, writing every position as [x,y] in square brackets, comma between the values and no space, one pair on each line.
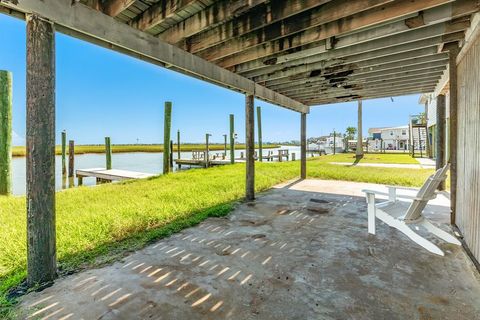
[393,138]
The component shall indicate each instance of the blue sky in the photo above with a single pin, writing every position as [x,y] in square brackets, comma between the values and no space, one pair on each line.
[103,93]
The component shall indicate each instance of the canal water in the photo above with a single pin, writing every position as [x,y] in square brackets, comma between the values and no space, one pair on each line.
[147,162]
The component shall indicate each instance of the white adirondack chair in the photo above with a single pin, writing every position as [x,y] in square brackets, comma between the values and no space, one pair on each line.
[404,215]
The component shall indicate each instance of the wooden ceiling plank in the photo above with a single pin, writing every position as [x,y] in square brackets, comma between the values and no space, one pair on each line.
[158,13]
[226,55]
[218,13]
[276,19]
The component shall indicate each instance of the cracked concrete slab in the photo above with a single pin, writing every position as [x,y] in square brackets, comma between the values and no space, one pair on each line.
[300,251]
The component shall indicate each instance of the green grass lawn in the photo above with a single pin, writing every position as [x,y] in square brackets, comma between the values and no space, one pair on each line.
[98,225]
[19,151]
[372,158]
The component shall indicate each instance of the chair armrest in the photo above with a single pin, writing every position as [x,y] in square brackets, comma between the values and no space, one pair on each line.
[370,195]
[403,188]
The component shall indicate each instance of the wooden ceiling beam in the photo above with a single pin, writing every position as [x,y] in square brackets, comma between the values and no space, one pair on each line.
[408,41]
[158,13]
[323,68]
[379,76]
[408,77]
[225,56]
[320,103]
[275,20]
[435,16]
[367,95]
[363,87]
[114,7]
[216,14]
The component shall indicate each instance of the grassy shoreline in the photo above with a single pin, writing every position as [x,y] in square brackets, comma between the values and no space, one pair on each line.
[20,151]
[98,225]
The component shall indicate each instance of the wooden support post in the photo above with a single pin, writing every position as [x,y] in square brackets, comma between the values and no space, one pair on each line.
[232,138]
[250,147]
[427,136]
[440,156]
[225,146]
[64,154]
[108,154]
[207,149]
[178,146]
[334,142]
[259,126]
[453,131]
[40,136]
[280,158]
[5,132]
[359,151]
[171,154]
[303,146]
[71,158]
[420,142]
[166,137]
[179,150]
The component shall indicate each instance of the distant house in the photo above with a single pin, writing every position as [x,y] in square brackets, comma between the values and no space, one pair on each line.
[393,138]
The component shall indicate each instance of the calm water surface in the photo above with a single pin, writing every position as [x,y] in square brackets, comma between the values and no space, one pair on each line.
[135,161]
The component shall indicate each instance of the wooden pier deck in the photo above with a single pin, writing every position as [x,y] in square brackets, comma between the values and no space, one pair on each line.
[103,175]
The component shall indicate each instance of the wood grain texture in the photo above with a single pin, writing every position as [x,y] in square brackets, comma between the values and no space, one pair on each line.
[41,242]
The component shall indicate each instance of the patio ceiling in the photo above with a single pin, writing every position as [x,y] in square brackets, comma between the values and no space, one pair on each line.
[294,53]
[313,51]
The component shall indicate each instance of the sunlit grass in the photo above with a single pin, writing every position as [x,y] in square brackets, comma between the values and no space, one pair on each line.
[19,151]
[97,225]
[400,158]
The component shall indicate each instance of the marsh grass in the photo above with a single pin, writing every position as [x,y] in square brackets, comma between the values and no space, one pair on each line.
[98,225]
[19,151]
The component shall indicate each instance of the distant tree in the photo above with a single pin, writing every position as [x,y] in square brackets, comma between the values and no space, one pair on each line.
[350,132]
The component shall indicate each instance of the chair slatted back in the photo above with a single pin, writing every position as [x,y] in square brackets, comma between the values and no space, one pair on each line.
[425,194]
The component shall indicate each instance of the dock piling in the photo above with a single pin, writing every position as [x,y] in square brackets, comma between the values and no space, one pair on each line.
[232,138]
[166,137]
[225,146]
[259,124]
[71,162]
[64,153]
[178,148]
[171,154]
[5,132]
[108,153]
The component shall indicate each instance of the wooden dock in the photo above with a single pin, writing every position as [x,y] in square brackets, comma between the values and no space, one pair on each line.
[102,175]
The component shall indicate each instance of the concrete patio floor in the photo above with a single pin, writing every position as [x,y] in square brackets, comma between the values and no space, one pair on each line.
[300,251]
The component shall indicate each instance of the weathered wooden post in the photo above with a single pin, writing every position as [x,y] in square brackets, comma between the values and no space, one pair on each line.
[232,138]
[250,147]
[166,137]
[178,148]
[334,142]
[280,156]
[64,154]
[259,125]
[171,154]
[420,142]
[427,136]
[440,148]
[40,136]
[179,151]
[71,160]
[225,146]
[453,130]
[207,149]
[359,151]
[303,145]
[108,153]
[5,132]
